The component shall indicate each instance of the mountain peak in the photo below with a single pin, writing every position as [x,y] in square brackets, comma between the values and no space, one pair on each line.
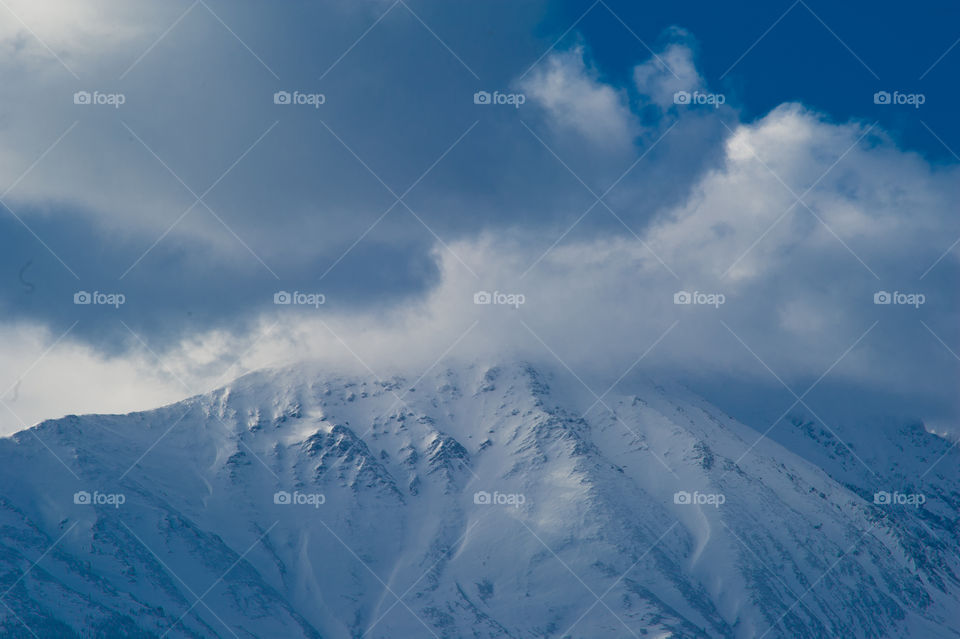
[461,493]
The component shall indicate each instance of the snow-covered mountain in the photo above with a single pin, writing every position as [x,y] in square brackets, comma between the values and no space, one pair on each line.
[474,502]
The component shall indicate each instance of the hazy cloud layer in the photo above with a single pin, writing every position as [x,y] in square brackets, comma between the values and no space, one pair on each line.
[399,198]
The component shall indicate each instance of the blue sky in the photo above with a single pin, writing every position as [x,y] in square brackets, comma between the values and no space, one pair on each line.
[598,198]
[795,57]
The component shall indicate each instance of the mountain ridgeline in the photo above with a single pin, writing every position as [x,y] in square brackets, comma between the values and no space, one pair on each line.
[478,501]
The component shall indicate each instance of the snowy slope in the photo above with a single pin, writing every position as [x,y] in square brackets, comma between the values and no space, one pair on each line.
[389,534]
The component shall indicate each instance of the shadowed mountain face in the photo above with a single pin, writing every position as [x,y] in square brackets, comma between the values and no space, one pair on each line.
[474,502]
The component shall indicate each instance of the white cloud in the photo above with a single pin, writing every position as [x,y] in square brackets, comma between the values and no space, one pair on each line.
[796,290]
[35,34]
[861,193]
[672,70]
[577,100]
[43,378]
[798,298]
